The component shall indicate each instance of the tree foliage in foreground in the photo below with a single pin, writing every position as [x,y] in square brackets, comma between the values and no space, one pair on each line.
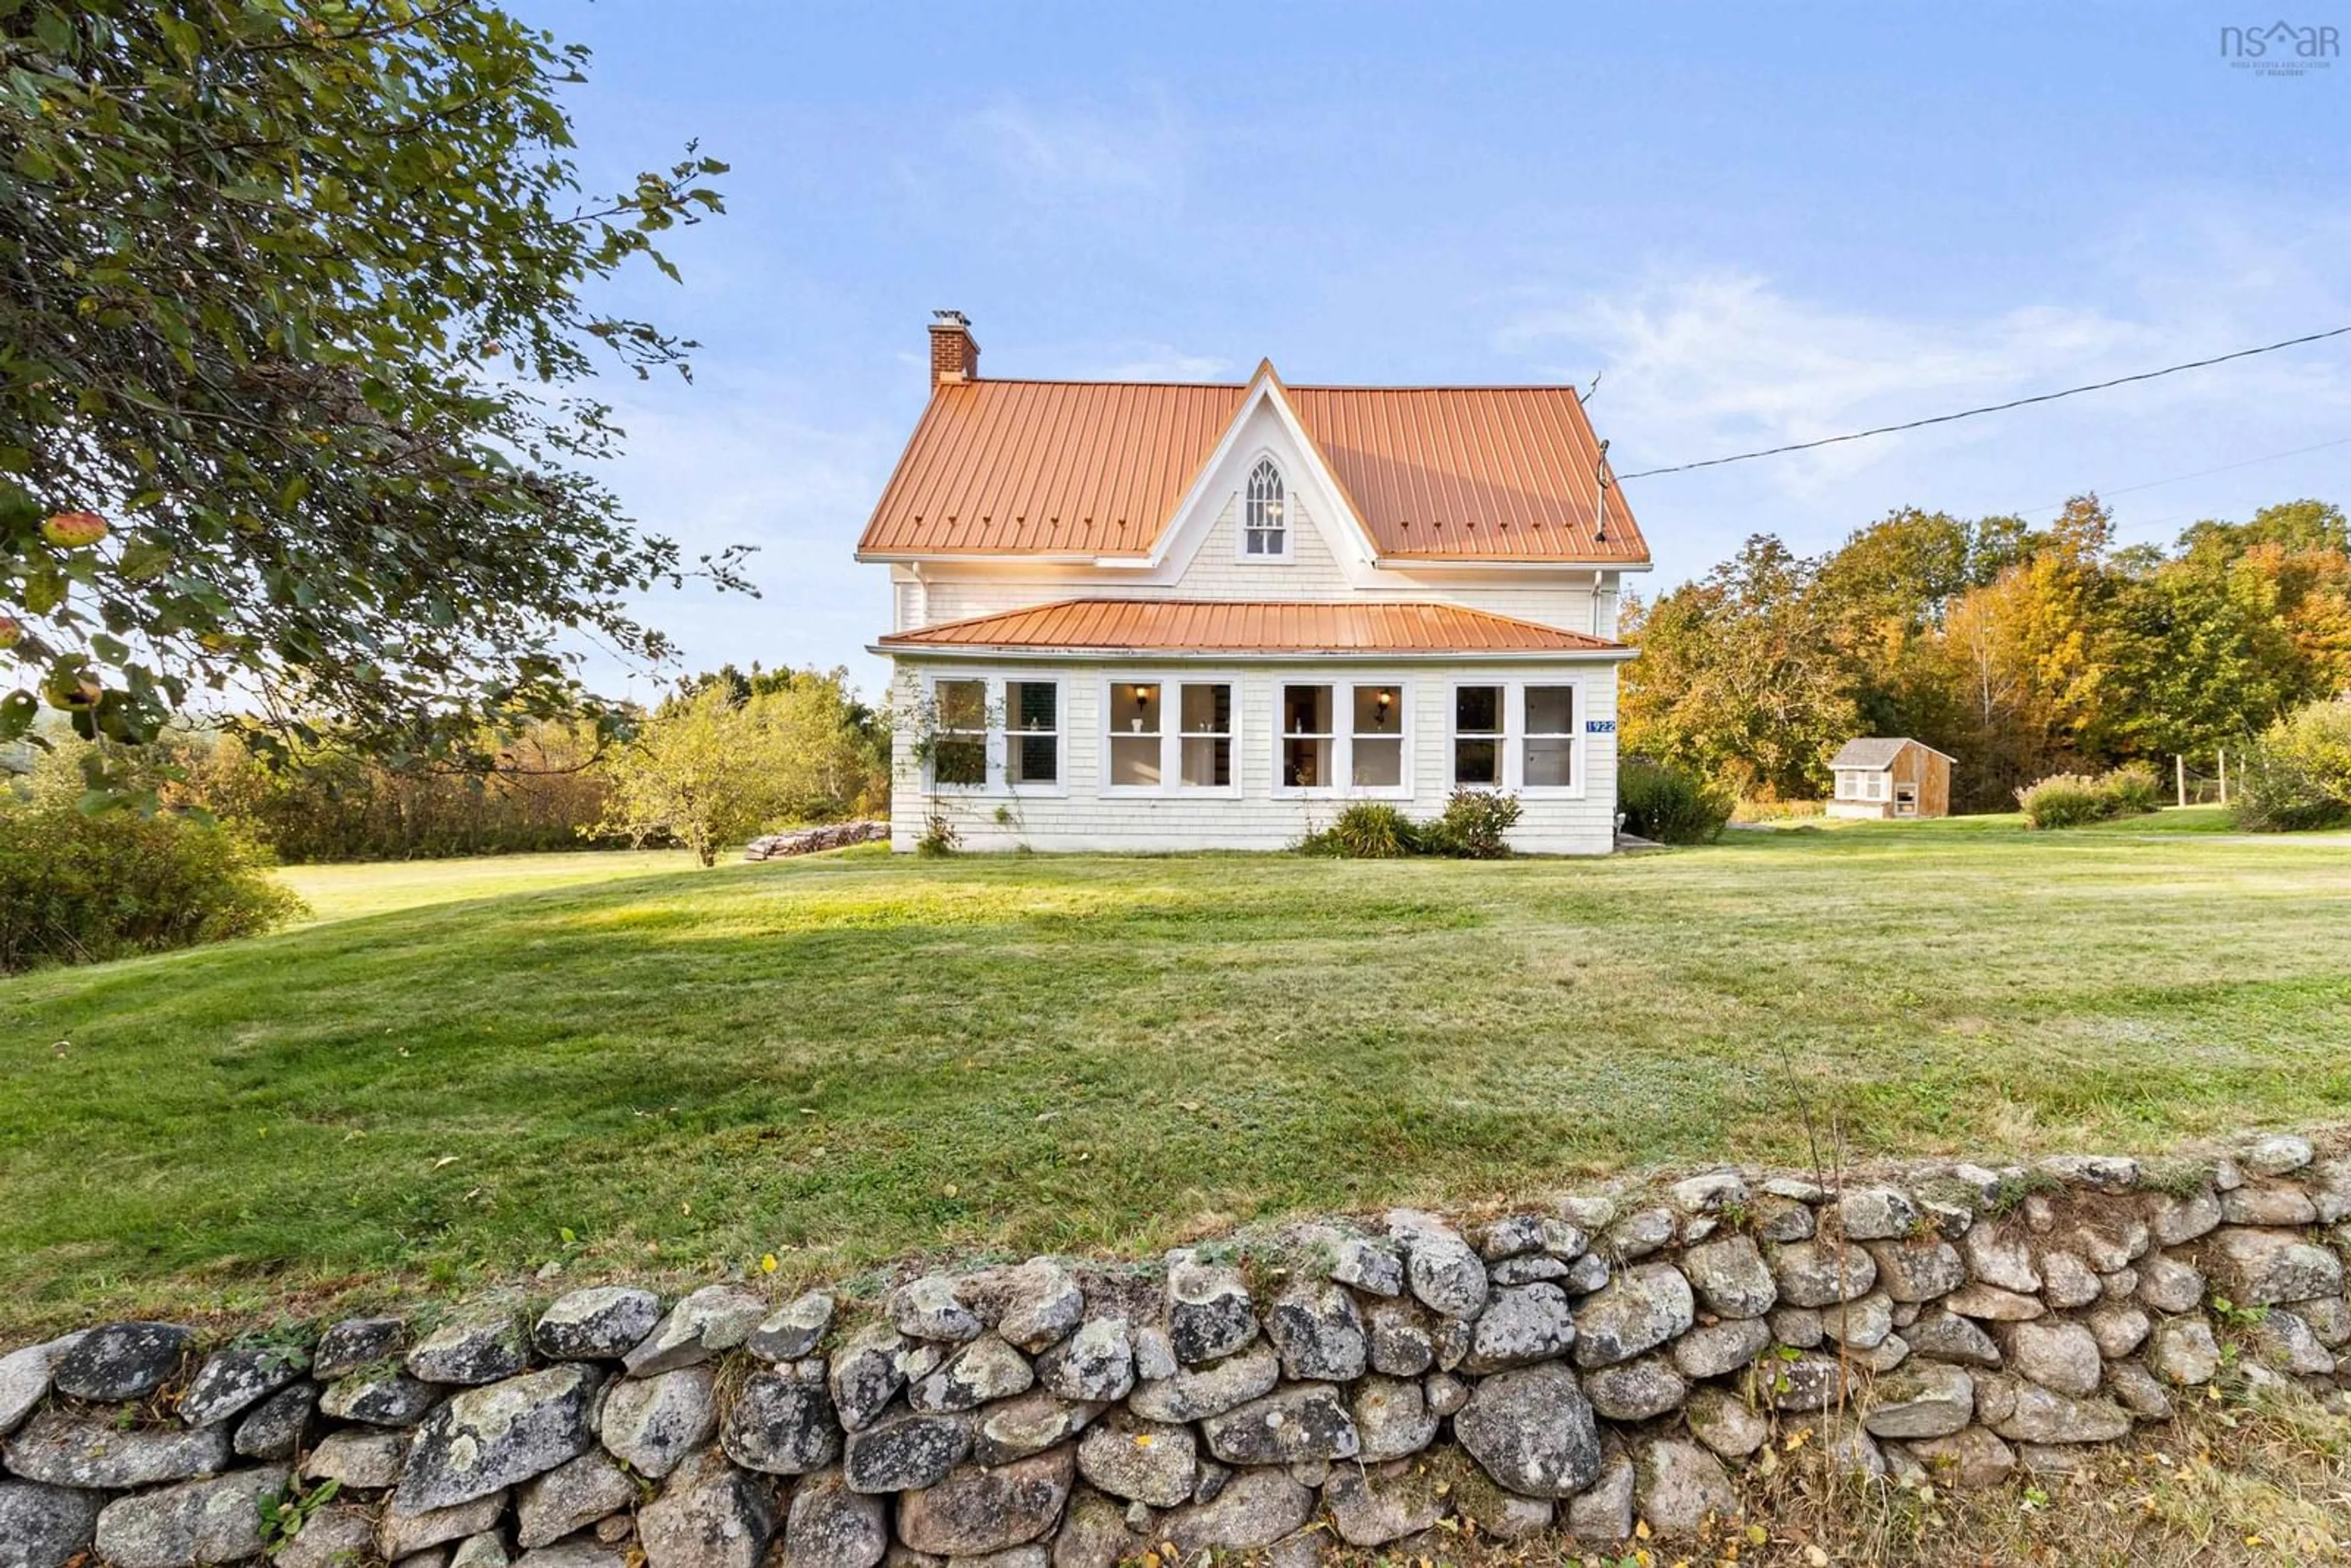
[2022,653]
[297,296]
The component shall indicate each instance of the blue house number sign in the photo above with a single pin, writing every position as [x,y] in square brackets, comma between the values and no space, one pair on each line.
[1599,726]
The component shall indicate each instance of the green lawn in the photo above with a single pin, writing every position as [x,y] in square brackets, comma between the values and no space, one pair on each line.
[845,1059]
[341,892]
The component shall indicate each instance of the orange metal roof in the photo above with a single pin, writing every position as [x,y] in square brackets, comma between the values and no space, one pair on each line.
[1096,468]
[1253,626]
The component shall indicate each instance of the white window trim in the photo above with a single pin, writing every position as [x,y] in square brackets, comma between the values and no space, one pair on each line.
[1343,738]
[1402,789]
[1278,736]
[999,782]
[1514,734]
[1288,553]
[932,783]
[1576,717]
[1171,735]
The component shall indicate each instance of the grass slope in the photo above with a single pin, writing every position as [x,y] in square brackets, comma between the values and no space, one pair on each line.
[847,1059]
[343,892]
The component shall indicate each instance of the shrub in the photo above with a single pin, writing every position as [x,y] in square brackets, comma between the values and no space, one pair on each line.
[75,888]
[2064,801]
[2071,800]
[1472,827]
[1370,830]
[1475,824]
[2297,776]
[2135,788]
[1670,806]
[940,836]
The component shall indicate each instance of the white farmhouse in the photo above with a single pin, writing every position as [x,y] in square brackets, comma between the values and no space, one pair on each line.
[1152,616]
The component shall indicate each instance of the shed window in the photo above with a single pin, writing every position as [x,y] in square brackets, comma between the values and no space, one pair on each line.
[1265,530]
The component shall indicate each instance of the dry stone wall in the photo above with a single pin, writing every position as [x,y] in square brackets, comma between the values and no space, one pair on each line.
[814,841]
[1602,1359]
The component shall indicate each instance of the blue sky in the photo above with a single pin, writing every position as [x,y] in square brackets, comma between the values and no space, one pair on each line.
[1756,224]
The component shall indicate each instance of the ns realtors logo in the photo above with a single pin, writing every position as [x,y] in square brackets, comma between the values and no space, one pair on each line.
[2281,50]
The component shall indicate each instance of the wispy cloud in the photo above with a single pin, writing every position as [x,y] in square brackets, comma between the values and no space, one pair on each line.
[1163,362]
[1714,362]
[1719,361]
[1708,362]
[1070,151]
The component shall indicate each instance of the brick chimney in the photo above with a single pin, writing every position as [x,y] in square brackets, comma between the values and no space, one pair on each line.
[955,353]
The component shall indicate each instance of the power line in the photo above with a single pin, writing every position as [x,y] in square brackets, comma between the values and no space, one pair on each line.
[2181,478]
[1989,408]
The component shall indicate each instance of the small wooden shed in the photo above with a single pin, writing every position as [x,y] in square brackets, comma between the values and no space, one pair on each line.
[1889,776]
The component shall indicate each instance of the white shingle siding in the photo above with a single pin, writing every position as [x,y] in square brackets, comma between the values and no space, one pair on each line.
[1075,815]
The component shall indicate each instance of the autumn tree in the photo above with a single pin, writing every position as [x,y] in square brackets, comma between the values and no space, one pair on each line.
[297,317]
[2020,650]
[1738,678]
[1885,593]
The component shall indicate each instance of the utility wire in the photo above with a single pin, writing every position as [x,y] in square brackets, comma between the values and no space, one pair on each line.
[2199,473]
[1989,408]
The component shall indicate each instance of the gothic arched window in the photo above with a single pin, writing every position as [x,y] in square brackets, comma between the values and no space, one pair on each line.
[1265,530]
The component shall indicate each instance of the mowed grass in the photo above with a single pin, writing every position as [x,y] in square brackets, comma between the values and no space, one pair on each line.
[846,1060]
[341,891]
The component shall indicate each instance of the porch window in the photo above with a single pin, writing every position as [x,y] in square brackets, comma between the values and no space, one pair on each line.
[1133,718]
[1204,721]
[1265,530]
[1551,738]
[1478,735]
[1513,735]
[1032,752]
[959,757]
[1876,785]
[1377,737]
[1306,736]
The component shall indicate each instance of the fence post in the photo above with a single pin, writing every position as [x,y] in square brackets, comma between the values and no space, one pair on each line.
[2179,777]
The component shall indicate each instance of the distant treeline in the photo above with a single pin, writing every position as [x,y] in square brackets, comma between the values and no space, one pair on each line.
[2020,652]
[771,749]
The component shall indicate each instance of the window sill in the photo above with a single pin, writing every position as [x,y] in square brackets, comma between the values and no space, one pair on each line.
[1168,792]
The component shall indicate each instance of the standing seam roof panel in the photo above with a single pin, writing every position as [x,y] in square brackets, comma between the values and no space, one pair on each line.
[1024,467]
[1145,624]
